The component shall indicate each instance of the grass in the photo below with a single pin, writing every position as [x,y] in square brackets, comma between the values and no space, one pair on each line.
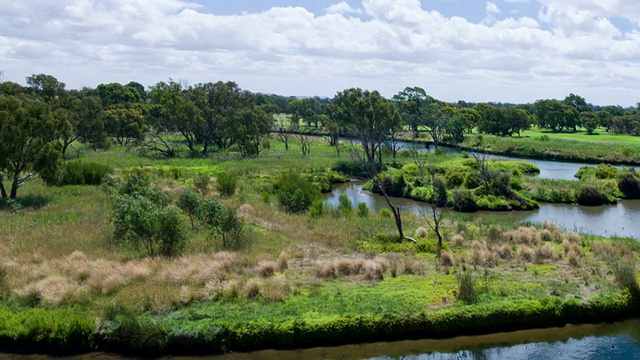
[57,254]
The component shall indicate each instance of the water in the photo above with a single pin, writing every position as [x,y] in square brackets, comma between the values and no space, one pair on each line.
[589,342]
[605,220]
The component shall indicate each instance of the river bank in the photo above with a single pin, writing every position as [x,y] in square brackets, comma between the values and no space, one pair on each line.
[53,332]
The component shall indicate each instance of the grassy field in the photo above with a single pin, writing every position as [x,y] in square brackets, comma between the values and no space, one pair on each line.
[599,135]
[57,256]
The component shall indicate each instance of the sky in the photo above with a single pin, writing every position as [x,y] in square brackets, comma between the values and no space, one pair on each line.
[514,51]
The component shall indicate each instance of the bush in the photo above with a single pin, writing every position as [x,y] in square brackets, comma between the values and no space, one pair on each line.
[454,179]
[226,184]
[190,203]
[393,184]
[625,274]
[317,208]
[464,201]
[225,222]
[84,173]
[363,210]
[472,181]
[385,213]
[345,204]
[439,191]
[466,287]
[592,195]
[294,193]
[629,185]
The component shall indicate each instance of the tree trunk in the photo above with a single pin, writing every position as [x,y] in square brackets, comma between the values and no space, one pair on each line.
[3,191]
[14,185]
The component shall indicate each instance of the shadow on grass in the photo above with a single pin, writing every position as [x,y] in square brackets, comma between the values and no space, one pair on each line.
[24,202]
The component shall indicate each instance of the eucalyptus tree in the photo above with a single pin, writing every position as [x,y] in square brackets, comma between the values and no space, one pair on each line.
[29,145]
[368,116]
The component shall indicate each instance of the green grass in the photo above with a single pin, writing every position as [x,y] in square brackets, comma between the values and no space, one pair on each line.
[599,135]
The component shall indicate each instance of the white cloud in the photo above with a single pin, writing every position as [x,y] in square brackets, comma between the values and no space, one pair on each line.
[290,50]
[341,8]
[492,8]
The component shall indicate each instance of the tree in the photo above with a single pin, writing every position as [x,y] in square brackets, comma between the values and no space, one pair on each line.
[434,221]
[252,126]
[28,142]
[368,116]
[579,104]
[224,221]
[125,123]
[437,122]
[218,104]
[414,105]
[554,115]
[114,94]
[589,120]
[175,111]
[88,122]
[47,88]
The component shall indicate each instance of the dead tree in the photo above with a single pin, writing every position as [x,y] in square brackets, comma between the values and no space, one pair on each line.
[434,221]
[305,143]
[370,171]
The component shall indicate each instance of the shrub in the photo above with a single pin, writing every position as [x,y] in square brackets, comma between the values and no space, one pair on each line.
[458,239]
[294,193]
[385,213]
[629,185]
[266,268]
[345,204]
[317,208]
[363,210]
[225,222]
[592,195]
[606,171]
[84,173]
[201,183]
[504,251]
[190,203]
[466,287]
[464,201]
[226,184]
[472,181]
[525,253]
[439,191]
[624,272]
[454,179]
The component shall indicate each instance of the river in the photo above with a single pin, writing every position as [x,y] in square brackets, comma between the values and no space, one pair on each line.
[606,220]
[586,342]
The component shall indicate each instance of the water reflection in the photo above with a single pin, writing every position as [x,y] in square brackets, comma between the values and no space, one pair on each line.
[606,220]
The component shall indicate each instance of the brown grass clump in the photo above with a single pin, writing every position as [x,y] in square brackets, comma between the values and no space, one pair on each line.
[572,237]
[522,235]
[477,257]
[339,267]
[545,235]
[573,258]
[490,258]
[525,253]
[53,290]
[421,232]
[544,253]
[245,209]
[266,268]
[566,245]
[275,289]
[446,258]
[373,270]
[477,246]
[283,261]
[458,239]
[414,267]
[251,288]
[504,251]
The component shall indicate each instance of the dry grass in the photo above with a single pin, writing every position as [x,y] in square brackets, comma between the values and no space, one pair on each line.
[266,268]
[283,261]
[546,252]
[525,253]
[573,258]
[522,235]
[504,252]
[421,232]
[458,239]
[276,288]
[546,235]
[446,259]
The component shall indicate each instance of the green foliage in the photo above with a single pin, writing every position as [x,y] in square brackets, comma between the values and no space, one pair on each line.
[294,193]
[385,213]
[454,179]
[201,183]
[439,191]
[226,184]
[345,204]
[225,222]
[84,173]
[466,287]
[143,218]
[464,201]
[190,203]
[592,195]
[363,210]
[317,208]
[629,185]
[393,183]
[472,180]
[624,271]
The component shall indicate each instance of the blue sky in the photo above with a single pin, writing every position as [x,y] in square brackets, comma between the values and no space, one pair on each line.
[501,50]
